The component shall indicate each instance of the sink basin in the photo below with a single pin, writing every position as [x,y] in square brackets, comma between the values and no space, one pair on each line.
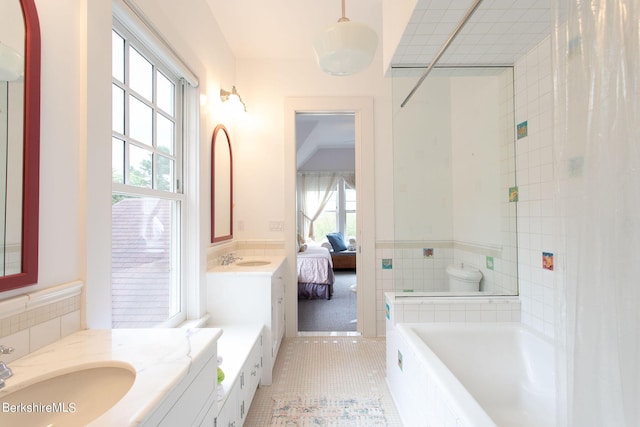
[252,263]
[75,398]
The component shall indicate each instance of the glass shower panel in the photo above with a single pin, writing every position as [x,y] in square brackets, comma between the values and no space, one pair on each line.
[455,192]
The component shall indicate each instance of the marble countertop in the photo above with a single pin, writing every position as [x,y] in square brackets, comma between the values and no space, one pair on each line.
[162,358]
[268,269]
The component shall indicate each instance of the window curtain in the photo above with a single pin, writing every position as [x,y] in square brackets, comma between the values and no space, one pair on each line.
[315,192]
[350,180]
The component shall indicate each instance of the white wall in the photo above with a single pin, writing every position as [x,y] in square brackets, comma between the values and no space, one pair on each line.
[61,112]
[261,181]
[396,17]
[75,172]
[259,151]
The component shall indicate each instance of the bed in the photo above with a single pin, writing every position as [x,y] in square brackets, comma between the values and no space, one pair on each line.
[315,273]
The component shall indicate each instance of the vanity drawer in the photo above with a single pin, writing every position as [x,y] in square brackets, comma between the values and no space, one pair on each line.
[195,398]
[252,371]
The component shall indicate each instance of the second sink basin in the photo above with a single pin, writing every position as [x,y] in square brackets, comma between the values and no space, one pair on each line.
[69,399]
[254,263]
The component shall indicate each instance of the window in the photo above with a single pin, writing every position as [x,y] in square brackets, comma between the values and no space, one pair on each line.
[339,214]
[147,199]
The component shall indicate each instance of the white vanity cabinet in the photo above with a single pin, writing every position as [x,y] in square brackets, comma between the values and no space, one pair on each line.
[239,295]
[242,362]
[190,408]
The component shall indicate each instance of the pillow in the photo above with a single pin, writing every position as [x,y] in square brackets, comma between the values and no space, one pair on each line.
[337,242]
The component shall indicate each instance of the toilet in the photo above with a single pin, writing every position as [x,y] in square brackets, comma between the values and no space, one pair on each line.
[464,278]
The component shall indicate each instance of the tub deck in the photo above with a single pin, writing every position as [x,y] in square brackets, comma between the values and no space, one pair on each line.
[504,369]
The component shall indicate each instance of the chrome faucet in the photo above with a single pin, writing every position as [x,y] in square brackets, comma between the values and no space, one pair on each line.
[5,371]
[229,258]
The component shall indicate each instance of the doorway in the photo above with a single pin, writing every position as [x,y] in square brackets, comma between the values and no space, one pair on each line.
[326,208]
[361,108]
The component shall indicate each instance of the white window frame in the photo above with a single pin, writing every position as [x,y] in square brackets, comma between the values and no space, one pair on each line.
[180,278]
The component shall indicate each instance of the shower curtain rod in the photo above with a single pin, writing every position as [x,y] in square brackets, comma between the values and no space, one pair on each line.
[444,47]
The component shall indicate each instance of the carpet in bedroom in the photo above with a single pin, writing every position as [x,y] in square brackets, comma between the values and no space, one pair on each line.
[334,315]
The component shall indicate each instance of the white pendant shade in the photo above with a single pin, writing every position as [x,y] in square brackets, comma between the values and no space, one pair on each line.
[345,48]
[11,64]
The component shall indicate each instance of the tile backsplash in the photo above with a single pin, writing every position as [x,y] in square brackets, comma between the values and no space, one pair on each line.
[31,321]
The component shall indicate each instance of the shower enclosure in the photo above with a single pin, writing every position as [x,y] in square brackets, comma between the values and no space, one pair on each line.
[455,191]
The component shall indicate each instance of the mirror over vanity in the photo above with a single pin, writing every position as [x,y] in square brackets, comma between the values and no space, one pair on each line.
[19,143]
[221,185]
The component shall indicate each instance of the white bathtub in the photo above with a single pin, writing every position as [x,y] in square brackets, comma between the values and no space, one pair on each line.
[471,374]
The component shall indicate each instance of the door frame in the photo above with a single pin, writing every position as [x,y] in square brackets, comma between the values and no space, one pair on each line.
[362,107]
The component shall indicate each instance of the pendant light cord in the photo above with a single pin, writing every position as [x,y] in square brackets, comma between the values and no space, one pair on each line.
[344,14]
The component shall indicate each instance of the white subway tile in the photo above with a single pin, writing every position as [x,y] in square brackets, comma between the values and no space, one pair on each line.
[44,333]
[20,344]
[70,323]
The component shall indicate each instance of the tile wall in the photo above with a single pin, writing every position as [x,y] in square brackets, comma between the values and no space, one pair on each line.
[420,272]
[441,309]
[534,165]
[448,309]
[535,207]
[31,321]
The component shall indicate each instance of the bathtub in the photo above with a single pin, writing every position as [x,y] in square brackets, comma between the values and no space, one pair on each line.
[471,374]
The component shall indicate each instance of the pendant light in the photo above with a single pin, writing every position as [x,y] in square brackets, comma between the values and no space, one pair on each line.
[346,47]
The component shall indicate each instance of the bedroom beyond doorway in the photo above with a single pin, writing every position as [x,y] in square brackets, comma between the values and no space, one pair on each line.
[335,315]
[326,208]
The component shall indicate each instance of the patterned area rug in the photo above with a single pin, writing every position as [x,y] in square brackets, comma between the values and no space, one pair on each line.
[323,411]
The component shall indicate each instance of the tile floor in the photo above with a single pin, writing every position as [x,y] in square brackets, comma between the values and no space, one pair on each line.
[316,365]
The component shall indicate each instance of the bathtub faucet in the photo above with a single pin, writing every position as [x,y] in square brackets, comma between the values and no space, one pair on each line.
[5,371]
[229,259]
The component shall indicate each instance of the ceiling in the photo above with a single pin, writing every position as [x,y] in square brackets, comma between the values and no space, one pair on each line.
[325,139]
[498,33]
[285,28]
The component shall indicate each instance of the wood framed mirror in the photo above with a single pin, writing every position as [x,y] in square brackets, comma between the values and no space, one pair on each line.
[19,20]
[221,185]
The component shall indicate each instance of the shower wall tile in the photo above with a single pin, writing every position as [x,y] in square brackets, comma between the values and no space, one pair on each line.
[534,104]
[443,309]
[414,272]
[535,211]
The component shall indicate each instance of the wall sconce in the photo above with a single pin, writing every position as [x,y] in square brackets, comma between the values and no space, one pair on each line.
[233,98]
